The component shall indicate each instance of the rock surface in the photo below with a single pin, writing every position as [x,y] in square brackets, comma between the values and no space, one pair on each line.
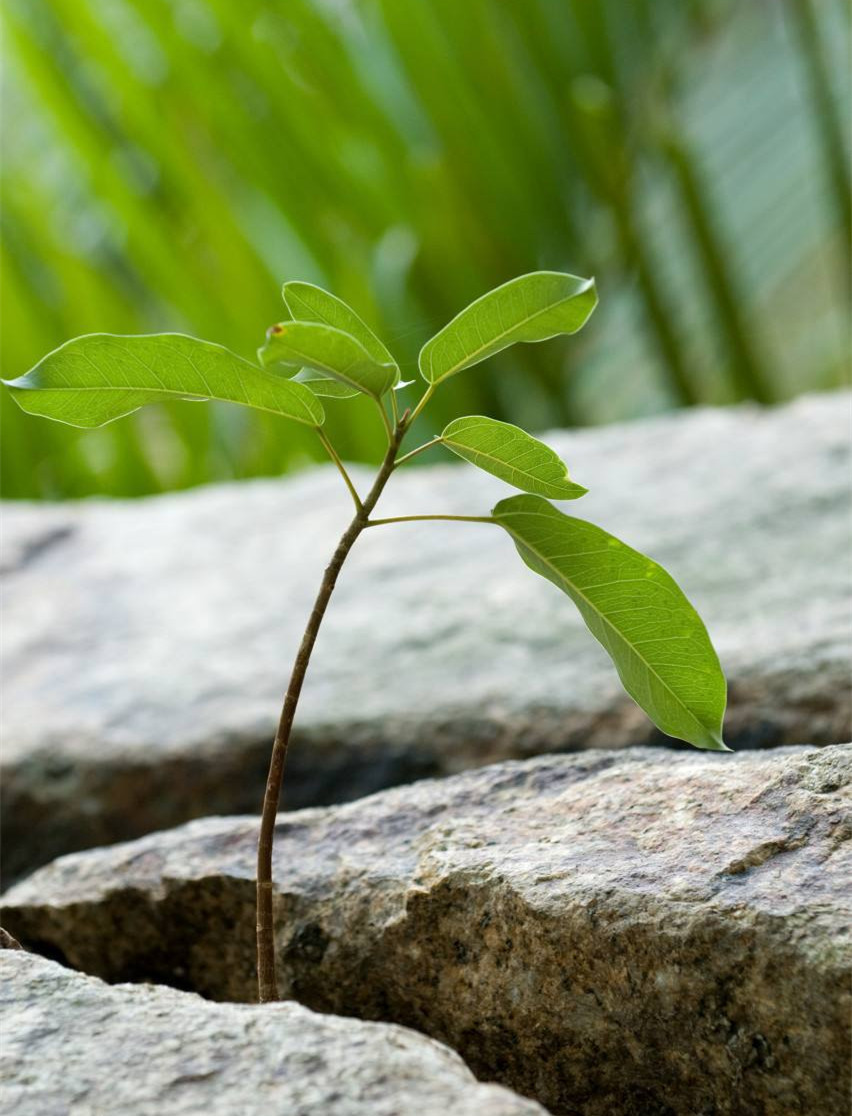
[74,1044]
[616,933]
[146,644]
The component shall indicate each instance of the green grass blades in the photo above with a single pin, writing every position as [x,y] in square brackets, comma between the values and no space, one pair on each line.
[511,454]
[100,377]
[531,307]
[656,639]
[309,303]
[329,350]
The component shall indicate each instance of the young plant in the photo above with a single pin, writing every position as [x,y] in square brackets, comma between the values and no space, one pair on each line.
[323,350]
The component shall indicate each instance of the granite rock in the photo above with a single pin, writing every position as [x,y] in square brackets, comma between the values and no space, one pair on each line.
[73,1044]
[146,643]
[615,933]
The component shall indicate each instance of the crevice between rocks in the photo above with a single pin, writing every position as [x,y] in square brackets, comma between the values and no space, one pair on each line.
[329,765]
[565,1006]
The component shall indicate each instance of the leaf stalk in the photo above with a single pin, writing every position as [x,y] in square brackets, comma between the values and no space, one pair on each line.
[424,399]
[422,518]
[436,441]
[332,453]
[388,428]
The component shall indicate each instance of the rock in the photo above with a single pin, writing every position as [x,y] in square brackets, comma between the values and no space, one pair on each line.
[74,1044]
[7,941]
[616,932]
[147,643]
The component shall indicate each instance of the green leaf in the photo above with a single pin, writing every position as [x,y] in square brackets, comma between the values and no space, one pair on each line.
[530,308]
[512,455]
[328,350]
[656,639]
[281,367]
[309,303]
[322,385]
[306,302]
[100,377]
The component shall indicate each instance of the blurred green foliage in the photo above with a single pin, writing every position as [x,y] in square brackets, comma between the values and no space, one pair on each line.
[168,163]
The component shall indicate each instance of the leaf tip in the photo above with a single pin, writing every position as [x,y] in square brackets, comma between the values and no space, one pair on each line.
[717,743]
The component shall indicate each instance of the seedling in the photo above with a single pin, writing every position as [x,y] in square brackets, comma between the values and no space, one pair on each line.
[323,350]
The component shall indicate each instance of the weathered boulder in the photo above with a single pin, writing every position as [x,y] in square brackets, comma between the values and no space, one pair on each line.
[616,932]
[146,644]
[74,1044]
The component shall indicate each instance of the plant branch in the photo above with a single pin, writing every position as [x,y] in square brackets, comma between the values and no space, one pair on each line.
[436,441]
[332,453]
[421,518]
[266,979]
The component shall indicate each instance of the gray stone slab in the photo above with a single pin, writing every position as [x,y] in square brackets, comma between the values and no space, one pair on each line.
[616,933]
[75,1045]
[146,644]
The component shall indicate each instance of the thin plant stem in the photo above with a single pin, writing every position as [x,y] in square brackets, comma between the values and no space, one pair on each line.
[436,441]
[394,410]
[332,453]
[384,414]
[420,518]
[266,978]
[424,399]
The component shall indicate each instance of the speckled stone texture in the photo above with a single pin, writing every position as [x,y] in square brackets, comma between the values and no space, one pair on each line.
[615,933]
[146,644]
[73,1045]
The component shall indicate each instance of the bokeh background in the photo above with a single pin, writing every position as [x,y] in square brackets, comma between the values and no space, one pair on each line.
[166,164]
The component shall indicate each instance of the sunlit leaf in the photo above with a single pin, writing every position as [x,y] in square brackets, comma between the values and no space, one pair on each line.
[512,455]
[100,377]
[328,350]
[530,308]
[656,639]
[309,303]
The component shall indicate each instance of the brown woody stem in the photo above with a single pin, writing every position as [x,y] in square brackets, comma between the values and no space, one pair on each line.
[266,979]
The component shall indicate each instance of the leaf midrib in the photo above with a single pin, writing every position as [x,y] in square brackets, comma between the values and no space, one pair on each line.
[185,395]
[174,393]
[360,321]
[607,622]
[497,336]
[521,472]
[341,374]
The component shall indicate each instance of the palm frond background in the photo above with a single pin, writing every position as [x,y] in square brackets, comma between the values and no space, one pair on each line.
[167,163]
